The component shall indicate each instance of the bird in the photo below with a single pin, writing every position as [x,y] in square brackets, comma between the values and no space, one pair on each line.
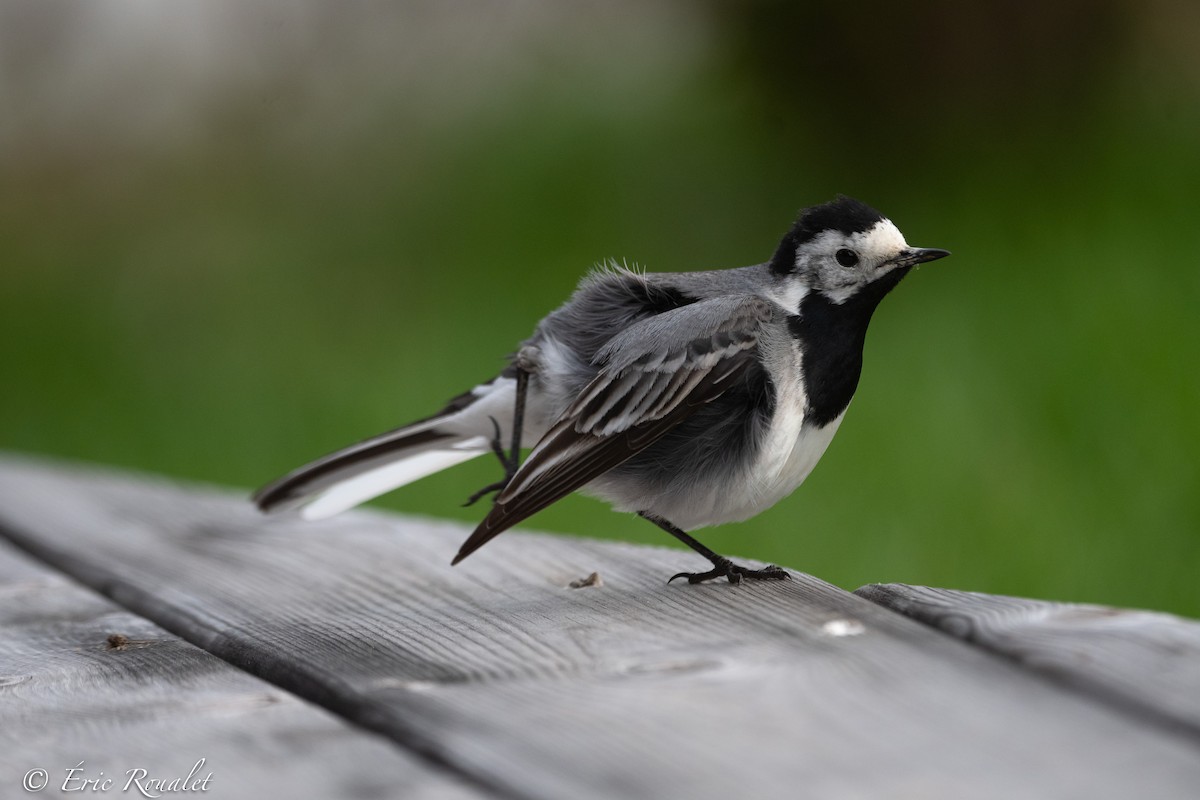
[691,399]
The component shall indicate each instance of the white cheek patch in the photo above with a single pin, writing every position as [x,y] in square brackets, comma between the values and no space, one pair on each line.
[875,247]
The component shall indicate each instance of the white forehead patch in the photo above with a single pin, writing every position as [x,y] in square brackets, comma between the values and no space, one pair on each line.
[881,242]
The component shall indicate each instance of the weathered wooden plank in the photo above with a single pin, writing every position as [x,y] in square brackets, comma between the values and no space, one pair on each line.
[1144,661]
[87,686]
[634,688]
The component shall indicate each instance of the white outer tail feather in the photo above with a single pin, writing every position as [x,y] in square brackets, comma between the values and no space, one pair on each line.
[332,487]
[350,492]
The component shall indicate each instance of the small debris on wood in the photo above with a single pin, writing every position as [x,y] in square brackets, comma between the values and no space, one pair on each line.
[119,641]
[590,580]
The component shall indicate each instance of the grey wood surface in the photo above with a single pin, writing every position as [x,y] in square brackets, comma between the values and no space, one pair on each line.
[82,680]
[1146,662]
[499,671]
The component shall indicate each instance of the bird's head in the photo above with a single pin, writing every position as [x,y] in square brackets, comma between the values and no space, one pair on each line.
[841,248]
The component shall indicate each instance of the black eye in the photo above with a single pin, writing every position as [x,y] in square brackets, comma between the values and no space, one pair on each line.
[845,257]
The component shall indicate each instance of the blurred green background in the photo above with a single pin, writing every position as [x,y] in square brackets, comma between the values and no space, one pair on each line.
[236,236]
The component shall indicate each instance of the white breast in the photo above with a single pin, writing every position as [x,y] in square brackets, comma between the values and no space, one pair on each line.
[787,454]
[791,451]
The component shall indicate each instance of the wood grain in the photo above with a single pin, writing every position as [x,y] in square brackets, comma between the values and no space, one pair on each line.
[82,680]
[500,671]
[1145,662]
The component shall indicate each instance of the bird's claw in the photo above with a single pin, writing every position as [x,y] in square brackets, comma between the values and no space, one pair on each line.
[491,487]
[734,573]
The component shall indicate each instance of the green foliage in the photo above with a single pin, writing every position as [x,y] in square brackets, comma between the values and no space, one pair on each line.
[1027,422]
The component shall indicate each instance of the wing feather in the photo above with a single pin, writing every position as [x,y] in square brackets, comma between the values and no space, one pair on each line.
[651,377]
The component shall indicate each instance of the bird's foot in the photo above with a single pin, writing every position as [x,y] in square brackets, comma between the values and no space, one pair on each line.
[734,573]
[498,486]
[508,462]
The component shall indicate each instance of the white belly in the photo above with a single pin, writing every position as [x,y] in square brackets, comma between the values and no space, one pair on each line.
[788,455]
[792,451]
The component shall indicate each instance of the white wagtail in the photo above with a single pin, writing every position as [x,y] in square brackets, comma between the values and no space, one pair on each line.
[690,398]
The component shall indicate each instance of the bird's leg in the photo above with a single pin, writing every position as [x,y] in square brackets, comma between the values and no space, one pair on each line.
[509,470]
[722,566]
[510,461]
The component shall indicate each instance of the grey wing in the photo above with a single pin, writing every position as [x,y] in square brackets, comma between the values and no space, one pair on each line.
[651,377]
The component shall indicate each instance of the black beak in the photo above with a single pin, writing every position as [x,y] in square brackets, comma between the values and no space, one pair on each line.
[919,255]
